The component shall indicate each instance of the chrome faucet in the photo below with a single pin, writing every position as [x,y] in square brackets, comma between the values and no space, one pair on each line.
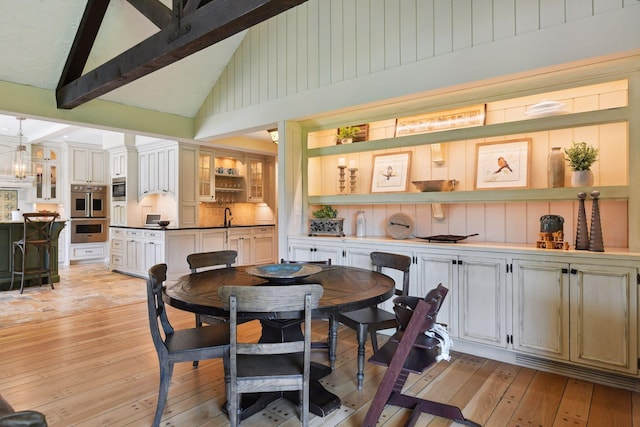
[227,222]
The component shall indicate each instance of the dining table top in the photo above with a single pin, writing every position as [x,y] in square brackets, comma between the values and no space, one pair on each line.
[345,289]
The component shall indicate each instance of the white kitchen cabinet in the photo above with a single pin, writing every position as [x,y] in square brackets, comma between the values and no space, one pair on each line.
[604,316]
[308,250]
[240,240]
[255,180]
[46,172]
[264,245]
[118,163]
[213,240]
[206,177]
[541,308]
[431,270]
[158,170]
[88,165]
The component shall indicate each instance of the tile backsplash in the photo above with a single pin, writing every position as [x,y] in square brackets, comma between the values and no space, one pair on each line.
[8,203]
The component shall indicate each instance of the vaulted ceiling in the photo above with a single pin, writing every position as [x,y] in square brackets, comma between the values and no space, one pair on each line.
[36,37]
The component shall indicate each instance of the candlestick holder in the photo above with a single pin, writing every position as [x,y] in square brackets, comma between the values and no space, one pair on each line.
[353,180]
[341,179]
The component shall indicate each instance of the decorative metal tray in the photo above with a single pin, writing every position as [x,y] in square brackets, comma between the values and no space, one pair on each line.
[446,238]
[283,272]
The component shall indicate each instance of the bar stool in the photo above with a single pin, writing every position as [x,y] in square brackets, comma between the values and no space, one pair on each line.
[37,234]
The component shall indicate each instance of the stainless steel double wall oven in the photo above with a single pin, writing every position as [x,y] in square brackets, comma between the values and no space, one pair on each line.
[89,222]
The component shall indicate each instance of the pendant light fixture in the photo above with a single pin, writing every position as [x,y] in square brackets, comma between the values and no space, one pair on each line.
[21,157]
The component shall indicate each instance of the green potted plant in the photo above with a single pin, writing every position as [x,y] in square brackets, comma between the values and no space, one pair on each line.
[580,157]
[325,221]
[347,133]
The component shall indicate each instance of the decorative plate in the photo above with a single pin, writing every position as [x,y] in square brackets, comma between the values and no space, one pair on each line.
[399,226]
[283,272]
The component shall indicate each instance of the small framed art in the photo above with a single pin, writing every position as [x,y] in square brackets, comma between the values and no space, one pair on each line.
[503,164]
[390,172]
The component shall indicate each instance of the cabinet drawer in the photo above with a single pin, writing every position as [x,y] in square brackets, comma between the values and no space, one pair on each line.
[87,252]
[153,234]
[117,245]
[116,260]
[135,233]
[117,232]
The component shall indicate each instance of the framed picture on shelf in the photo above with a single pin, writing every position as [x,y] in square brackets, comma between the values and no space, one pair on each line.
[473,115]
[390,172]
[503,164]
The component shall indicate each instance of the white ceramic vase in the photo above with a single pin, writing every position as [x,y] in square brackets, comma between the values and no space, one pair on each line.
[581,178]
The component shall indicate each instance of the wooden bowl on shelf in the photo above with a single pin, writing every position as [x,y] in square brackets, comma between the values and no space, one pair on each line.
[435,185]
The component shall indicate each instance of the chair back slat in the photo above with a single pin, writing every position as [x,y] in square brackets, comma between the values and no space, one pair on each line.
[398,262]
[211,259]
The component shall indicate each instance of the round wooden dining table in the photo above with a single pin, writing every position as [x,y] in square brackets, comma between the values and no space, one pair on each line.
[345,289]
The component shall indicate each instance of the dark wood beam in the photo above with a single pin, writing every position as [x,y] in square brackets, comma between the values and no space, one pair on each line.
[154,11]
[83,42]
[207,25]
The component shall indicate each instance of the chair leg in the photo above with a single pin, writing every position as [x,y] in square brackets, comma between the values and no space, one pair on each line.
[198,325]
[333,340]
[166,371]
[374,340]
[362,341]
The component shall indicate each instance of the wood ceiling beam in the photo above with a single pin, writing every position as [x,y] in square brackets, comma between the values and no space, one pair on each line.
[207,25]
[154,11]
[83,42]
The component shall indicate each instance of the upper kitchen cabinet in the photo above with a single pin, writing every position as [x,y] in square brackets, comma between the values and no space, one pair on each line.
[158,169]
[88,165]
[255,180]
[46,171]
[221,177]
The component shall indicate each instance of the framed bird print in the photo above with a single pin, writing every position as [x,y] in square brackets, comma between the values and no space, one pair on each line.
[503,164]
[390,172]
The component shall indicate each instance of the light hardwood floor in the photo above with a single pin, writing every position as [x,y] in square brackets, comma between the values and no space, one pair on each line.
[99,368]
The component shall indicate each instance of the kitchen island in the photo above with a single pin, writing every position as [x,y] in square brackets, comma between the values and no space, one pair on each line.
[133,250]
[10,231]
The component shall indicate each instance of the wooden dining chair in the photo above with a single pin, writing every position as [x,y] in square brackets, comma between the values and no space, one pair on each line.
[207,260]
[261,367]
[173,346]
[331,343]
[374,319]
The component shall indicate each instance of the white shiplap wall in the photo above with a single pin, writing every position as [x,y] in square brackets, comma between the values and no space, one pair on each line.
[325,42]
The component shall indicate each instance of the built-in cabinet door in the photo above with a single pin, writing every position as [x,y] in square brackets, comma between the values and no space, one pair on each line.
[541,308]
[88,166]
[213,240]
[482,300]
[240,241]
[206,177]
[153,253]
[118,213]
[46,168]
[301,251]
[433,270]
[255,180]
[604,316]
[118,164]
[166,167]
[263,245]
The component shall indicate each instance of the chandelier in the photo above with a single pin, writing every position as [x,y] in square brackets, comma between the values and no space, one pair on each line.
[21,156]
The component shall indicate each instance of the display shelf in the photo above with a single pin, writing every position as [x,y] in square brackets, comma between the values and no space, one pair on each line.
[619,192]
[564,121]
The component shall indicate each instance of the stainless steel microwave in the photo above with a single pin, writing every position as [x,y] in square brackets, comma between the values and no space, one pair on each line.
[119,189]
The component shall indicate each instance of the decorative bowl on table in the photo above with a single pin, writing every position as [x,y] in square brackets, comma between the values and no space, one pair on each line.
[435,185]
[283,273]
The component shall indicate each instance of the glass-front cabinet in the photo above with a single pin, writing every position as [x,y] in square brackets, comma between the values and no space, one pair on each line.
[46,163]
[221,177]
[255,180]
